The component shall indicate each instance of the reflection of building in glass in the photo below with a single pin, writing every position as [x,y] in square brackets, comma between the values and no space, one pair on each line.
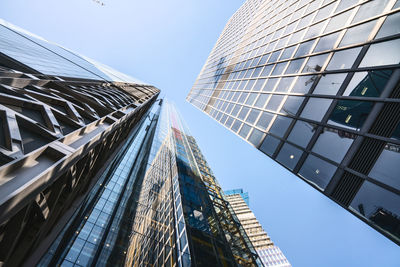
[93,172]
[315,86]
[269,253]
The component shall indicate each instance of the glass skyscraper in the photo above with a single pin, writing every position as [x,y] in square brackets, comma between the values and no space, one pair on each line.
[315,86]
[269,253]
[95,171]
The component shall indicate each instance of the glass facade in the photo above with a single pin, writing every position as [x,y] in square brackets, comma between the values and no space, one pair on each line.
[157,203]
[314,85]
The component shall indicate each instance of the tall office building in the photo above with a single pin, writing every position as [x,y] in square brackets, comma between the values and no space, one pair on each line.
[269,253]
[315,86]
[94,171]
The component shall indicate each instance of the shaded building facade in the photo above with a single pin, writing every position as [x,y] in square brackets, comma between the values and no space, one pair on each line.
[315,86]
[95,171]
[270,254]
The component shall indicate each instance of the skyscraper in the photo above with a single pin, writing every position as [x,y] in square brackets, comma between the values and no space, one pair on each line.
[269,253]
[96,172]
[315,86]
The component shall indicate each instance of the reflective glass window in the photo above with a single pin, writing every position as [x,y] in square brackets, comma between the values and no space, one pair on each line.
[249,85]
[315,30]
[251,98]
[274,57]
[305,21]
[345,4]
[274,102]
[315,63]
[383,209]
[259,84]
[264,120]
[255,137]
[243,97]
[269,145]
[236,125]
[304,48]
[350,113]
[252,116]
[229,121]
[343,59]
[333,144]
[289,156]
[370,9]
[243,113]
[329,84]
[391,26]
[267,70]
[303,84]
[295,66]
[316,108]
[302,132]
[244,131]
[261,100]
[288,52]
[338,21]
[368,83]
[278,70]
[386,168]
[269,86]
[327,42]
[292,105]
[235,110]
[284,84]
[358,34]
[396,133]
[296,37]
[324,12]
[384,53]
[256,72]
[317,171]
[280,125]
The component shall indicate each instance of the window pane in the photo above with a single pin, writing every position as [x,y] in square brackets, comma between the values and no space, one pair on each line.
[343,59]
[303,84]
[269,145]
[383,209]
[274,102]
[324,12]
[288,53]
[278,70]
[316,108]
[253,116]
[280,126]
[289,156]
[294,66]
[243,113]
[255,137]
[304,48]
[259,84]
[264,120]
[350,113]
[326,42]
[382,54]
[329,84]
[315,30]
[292,105]
[244,131]
[267,70]
[302,133]
[236,125]
[269,86]
[317,171]
[345,4]
[386,168]
[315,63]
[284,84]
[261,100]
[391,26]
[338,21]
[370,9]
[368,84]
[358,34]
[333,144]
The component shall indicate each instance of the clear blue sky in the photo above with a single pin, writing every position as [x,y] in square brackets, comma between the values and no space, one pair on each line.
[166,42]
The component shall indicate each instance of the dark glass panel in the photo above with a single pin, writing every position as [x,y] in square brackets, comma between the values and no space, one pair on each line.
[292,105]
[333,144]
[302,132]
[391,26]
[329,84]
[269,145]
[383,209]
[368,84]
[280,125]
[350,113]
[317,171]
[386,168]
[255,137]
[289,156]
